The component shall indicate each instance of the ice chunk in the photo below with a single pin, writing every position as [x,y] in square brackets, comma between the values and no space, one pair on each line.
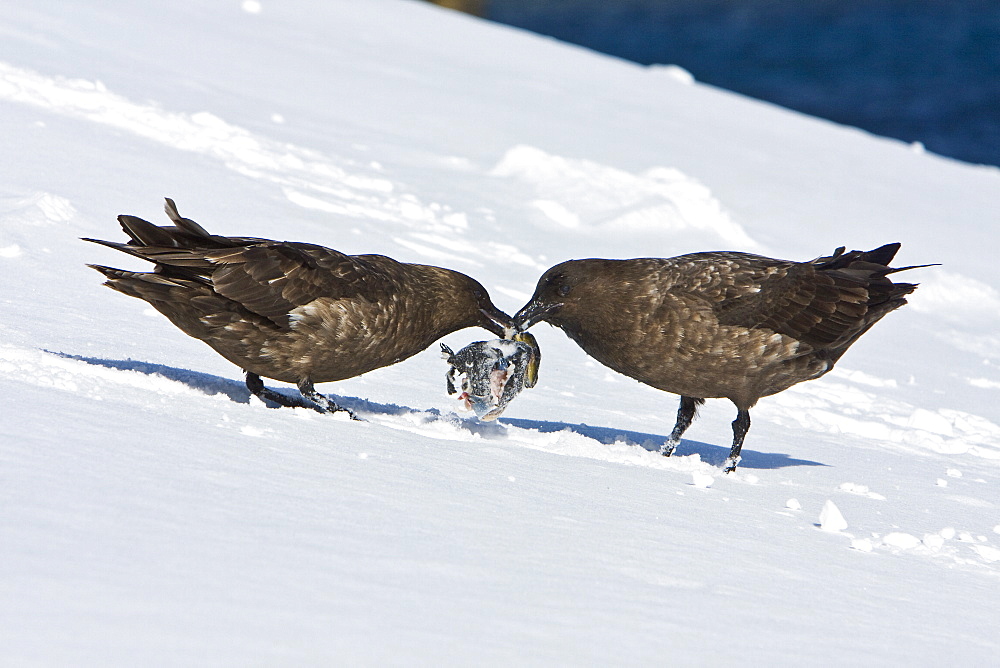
[988,553]
[830,518]
[903,541]
[702,480]
[862,544]
[933,540]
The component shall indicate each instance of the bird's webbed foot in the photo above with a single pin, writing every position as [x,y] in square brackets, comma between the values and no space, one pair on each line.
[321,402]
[256,387]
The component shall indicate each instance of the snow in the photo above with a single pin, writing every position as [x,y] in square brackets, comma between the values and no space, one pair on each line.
[153,512]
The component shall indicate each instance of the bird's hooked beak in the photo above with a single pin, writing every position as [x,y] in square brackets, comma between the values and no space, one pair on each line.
[495,320]
[534,312]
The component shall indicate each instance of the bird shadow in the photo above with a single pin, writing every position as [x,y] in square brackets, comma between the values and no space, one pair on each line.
[715,455]
[237,392]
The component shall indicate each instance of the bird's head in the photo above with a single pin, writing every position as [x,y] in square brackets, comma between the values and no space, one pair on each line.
[558,293]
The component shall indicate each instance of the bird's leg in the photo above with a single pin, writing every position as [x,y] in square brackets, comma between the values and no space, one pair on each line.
[741,425]
[256,387]
[324,404]
[685,415]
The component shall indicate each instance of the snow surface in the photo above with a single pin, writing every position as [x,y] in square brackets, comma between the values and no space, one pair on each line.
[151,513]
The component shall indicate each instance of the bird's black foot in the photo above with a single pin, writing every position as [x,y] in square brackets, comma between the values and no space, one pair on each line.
[322,403]
[668,448]
[256,387]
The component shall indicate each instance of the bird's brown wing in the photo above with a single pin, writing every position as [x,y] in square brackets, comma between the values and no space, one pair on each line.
[819,308]
[273,278]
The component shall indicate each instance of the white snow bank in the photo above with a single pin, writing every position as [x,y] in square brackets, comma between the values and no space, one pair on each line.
[595,199]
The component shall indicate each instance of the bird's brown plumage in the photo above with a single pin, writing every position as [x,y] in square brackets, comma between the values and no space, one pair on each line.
[295,312]
[718,324]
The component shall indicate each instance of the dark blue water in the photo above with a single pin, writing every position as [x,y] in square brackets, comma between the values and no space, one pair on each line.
[926,71]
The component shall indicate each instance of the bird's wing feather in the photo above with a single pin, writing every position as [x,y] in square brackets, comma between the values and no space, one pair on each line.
[272,279]
[816,307]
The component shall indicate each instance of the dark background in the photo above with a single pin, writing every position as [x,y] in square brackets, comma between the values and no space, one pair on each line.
[926,71]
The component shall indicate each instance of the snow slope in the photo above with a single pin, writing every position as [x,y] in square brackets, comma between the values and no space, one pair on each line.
[151,512]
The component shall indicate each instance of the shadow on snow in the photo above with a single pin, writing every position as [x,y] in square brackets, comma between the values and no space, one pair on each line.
[238,393]
[711,454]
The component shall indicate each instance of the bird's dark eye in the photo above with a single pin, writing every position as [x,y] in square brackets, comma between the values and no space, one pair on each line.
[563,290]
